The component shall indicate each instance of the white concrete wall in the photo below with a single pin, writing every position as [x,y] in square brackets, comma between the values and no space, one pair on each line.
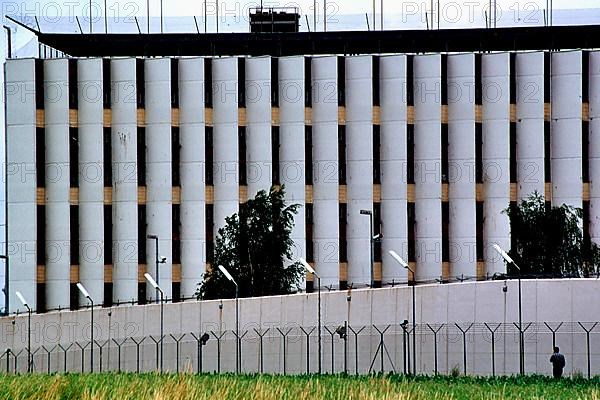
[495,70]
[428,166]
[258,124]
[56,124]
[530,123]
[21,151]
[292,165]
[159,203]
[359,165]
[192,169]
[461,166]
[325,169]
[565,133]
[91,178]
[225,139]
[438,307]
[124,175]
[392,86]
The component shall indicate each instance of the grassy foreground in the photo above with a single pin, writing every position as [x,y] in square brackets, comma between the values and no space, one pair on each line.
[225,387]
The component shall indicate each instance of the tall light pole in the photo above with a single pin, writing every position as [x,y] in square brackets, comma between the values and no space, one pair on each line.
[237,319]
[404,264]
[6,281]
[371,242]
[508,259]
[312,271]
[87,296]
[22,299]
[157,260]
[153,283]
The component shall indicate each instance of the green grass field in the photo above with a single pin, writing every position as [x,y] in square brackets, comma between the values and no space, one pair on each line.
[225,387]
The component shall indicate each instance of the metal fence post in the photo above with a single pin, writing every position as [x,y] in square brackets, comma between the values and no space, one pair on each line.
[493,340]
[137,351]
[307,347]
[356,333]
[284,338]
[381,349]
[101,351]
[435,348]
[587,335]
[119,352]
[522,341]
[553,332]
[260,346]
[82,355]
[219,337]
[65,349]
[177,341]
[464,334]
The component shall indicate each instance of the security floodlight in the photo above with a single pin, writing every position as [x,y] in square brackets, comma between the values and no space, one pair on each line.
[83,291]
[162,260]
[21,298]
[87,296]
[306,265]
[226,273]
[399,259]
[151,280]
[152,237]
[237,319]
[365,212]
[29,358]
[504,255]
[509,260]
[310,269]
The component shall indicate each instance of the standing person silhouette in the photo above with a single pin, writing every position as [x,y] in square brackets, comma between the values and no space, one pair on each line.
[558,363]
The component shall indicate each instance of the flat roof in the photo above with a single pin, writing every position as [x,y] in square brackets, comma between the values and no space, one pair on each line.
[315,43]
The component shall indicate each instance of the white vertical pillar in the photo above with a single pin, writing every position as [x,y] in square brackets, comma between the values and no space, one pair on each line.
[225,140]
[530,123]
[58,257]
[193,202]
[325,168]
[91,178]
[392,86]
[292,145]
[495,71]
[3,200]
[565,129]
[359,165]
[428,162]
[159,203]
[462,228]
[258,124]
[21,151]
[124,171]
[594,145]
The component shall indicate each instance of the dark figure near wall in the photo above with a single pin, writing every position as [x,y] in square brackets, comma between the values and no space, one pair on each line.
[558,363]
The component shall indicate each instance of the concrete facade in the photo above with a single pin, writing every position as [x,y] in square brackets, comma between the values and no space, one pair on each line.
[439,203]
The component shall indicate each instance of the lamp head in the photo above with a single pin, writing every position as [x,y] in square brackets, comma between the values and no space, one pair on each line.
[226,273]
[504,255]
[152,237]
[83,291]
[399,259]
[365,212]
[151,280]
[21,298]
[306,265]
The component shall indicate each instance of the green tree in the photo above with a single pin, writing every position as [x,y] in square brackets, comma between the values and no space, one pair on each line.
[256,248]
[549,240]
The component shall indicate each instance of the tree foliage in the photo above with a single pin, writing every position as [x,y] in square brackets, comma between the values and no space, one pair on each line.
[549,241]
[256,248]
